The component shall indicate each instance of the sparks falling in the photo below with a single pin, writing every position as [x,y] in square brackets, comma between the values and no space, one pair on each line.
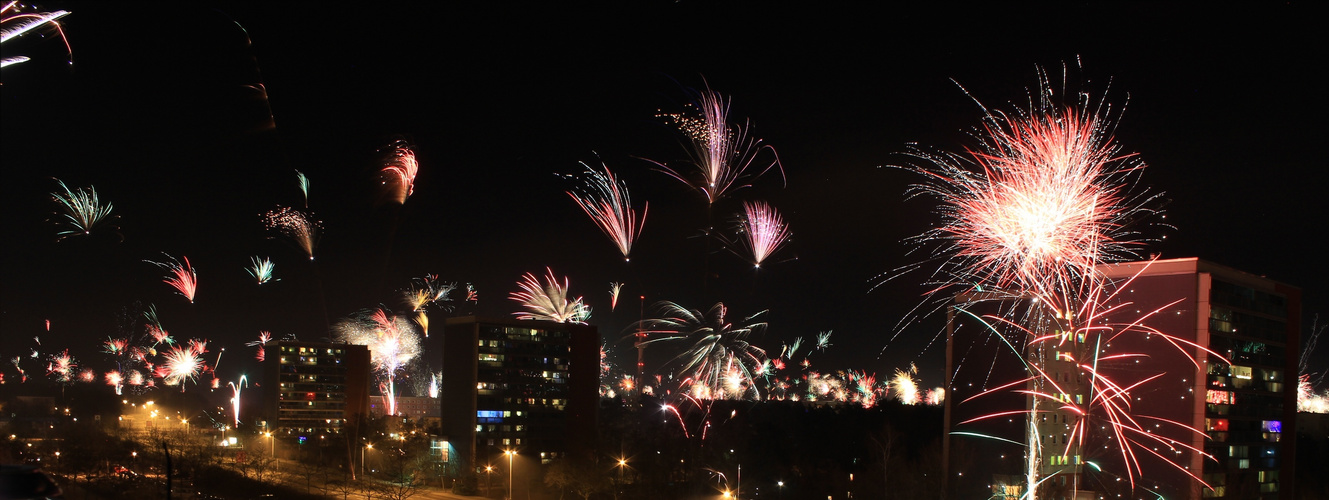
[723,154]
[300,227]
[81,210]
[718,362]
[392,340]
[549,302]
[605,199]
[762,231]
[261,269]
[181,277]
[399,171]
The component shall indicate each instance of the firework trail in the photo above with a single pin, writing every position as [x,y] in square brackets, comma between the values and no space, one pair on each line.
[14,24]
[434,380]
[300,227]
[719,360]
[762,231]
[181,277]
[392,343]
[180,365]
[549,302]
[303,182]
[235,398]
[81,210]
[722,153]
[605,199]
[263,338]
[614,289]
[261,269]
[400,169]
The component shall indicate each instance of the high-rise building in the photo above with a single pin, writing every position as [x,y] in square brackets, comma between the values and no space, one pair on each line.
[527,386]
[1227,368]
[315,386]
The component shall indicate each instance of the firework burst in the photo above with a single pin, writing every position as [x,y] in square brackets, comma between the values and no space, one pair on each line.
[719,361]
[399,170]
[303,182]
[392,343]
[723,154]
[605,199]
[183,364]
[263,338]
[614,289]
[300,227]
[550,301]
[762,231]
[180,276]
[62,366]
[81,210]
[261,269]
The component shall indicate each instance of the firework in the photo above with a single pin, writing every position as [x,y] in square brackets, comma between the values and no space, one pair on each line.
[300,227]
[135,377]
[81,210]
[14,24]
[905,387]
[762,231]
[392,343]
[63,366]
[1039,202]
[719,359]
[614,288]
[181,277]
[114,379]
[261,269]
[722,153]
[22,374]
[303,182]
[549,302]
[472,295]
[235,398]
[434,380]
[605,199]
[399,169]
[428,291]
[180,365]
[263,338]
[115,347]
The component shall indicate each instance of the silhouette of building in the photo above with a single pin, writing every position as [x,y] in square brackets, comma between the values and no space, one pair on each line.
[526,386]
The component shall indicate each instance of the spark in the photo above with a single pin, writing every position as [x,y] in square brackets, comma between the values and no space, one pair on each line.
[115,347]
[905,387]
[605,199]
[62,366]
[81,210]
[181,277]
[762,231]
[114,379]
[261,269]
[550,301]
[722,153]
[614,289]
[264,337]
[183,364]
[87,376]
[303,182]
[300,227]
[400,168]
[235,398]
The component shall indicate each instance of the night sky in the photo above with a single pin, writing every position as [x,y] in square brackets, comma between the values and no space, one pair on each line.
[161,112]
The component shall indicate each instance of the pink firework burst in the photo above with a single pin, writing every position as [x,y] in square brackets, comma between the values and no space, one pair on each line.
[605,199]
[63,366]
[722,153]
[183,364]
[116,380]
[180,276]
[400,169]
[762,231]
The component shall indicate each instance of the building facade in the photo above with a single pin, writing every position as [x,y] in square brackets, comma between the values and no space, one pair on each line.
[1206,360]
[519,385]
[316,387]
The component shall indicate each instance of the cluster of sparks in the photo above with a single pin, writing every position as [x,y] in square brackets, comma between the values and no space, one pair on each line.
[181,277]
[392,341]
[1030,214]
[14,24]
[399,171]
[605,199]
[550,301]
[260,268]
[723,153]
[762,231]
[81,210]
[300,227]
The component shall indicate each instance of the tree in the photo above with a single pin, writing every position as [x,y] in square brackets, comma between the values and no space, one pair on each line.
[582,477]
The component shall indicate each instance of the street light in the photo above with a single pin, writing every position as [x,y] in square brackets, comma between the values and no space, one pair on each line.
[510,454]
[489,475]
[781,490]
[368,446]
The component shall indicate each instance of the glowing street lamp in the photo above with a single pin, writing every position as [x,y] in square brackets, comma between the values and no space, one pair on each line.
[489,475]
[368,446]
[510,454]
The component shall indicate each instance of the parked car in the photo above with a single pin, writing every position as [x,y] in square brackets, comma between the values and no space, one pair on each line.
[124,472]
[26,482]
